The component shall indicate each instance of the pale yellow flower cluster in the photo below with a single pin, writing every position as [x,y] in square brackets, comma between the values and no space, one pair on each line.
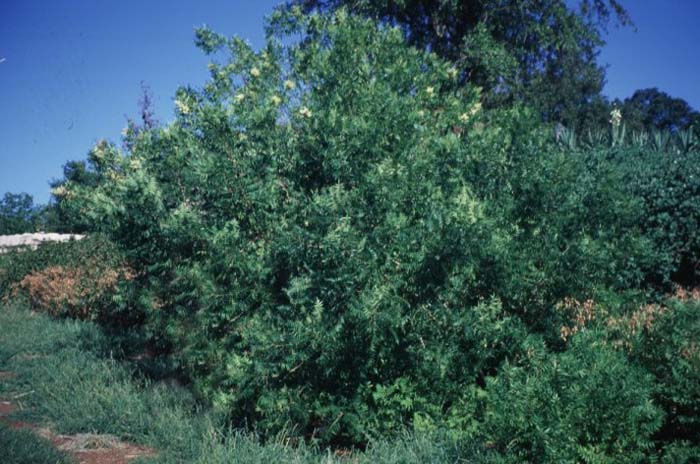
[452,73]
[276,100]
[239,97]
[616,117]
[135,164]
[182,107]
[466,116]
[289,85]
[305,112]
[100,149]
[59,191]
[255,72]
[430,91]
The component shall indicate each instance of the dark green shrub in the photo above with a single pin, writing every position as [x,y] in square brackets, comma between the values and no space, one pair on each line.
[576,230]
[667,344]
[586,404]
[658,184]
[668,183]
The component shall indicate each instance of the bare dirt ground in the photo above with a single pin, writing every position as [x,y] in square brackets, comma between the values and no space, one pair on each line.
[87,448]
[6,408]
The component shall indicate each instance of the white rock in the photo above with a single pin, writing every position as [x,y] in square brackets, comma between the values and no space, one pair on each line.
[33,240]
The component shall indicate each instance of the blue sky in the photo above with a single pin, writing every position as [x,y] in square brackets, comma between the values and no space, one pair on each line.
[664,52]
[72,68]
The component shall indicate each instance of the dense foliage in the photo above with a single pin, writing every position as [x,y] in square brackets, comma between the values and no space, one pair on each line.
[667,346]
[660,171]
[334,238]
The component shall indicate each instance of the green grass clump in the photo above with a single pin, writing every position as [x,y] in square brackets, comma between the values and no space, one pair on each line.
[24,447]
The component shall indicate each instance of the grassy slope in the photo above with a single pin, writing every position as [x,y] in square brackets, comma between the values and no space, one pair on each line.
[69,384]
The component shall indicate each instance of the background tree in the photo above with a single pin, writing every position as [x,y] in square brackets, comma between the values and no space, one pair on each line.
[652,109]
[18,214]
[541,52]
[75,172]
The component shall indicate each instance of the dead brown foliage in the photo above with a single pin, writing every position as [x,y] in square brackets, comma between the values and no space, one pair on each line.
[686,294]
[69,291]
[628,326]
[580,314]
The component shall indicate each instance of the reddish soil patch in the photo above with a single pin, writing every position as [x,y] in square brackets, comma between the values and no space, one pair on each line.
[84,448]
[96,449]
[6,408]
[18,424]
[7,375]
[106,456]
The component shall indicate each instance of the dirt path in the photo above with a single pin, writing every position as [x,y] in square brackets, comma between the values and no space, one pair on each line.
[84,448]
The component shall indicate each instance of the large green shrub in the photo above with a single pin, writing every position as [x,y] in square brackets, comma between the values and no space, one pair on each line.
[659,174]
[334,238]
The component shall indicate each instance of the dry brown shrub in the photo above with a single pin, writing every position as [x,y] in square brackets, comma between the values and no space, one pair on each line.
[70,291]
[686,294]
[580,314]
[641,318]
[628,326]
